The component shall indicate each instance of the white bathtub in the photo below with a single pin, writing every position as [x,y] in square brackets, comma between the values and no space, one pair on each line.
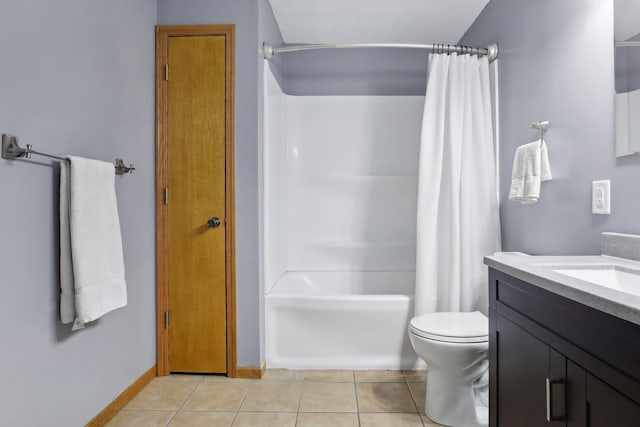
[340,320]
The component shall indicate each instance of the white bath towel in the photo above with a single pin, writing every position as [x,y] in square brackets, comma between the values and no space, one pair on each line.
[530,168]
[91,259]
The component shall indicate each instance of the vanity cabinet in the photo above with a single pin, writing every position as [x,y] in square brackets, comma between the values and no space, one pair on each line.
[557,362]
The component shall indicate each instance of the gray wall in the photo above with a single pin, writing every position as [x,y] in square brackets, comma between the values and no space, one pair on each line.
[252,19]
[77,77]
[370,71]
[621,71]
[556,63]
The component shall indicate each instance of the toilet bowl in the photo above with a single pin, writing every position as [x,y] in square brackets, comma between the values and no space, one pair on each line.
[455,348]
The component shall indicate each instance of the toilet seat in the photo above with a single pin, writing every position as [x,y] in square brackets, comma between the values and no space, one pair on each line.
[451,327]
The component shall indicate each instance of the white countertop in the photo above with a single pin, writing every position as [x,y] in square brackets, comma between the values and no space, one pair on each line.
[538,270]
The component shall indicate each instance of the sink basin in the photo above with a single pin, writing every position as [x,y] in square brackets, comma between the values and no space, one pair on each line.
[611,277]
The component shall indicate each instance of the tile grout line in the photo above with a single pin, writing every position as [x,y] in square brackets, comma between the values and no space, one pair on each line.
[304,376]
[184,402]
[246,393]
[355,389]
[414,403]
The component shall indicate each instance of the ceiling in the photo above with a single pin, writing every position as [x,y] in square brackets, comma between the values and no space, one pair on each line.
[375,21]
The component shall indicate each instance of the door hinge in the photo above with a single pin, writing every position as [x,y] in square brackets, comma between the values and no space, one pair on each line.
[166,319]
[166,72]
[166,196]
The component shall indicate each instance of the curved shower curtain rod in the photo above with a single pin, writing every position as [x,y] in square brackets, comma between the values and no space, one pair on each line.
[490,51]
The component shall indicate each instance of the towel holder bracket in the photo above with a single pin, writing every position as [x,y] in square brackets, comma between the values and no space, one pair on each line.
[542,126]
[11,149]
[121,168]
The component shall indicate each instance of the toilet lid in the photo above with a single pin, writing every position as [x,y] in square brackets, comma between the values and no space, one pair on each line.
[452,327]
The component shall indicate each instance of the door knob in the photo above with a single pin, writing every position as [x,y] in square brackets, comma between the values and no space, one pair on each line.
[214,222]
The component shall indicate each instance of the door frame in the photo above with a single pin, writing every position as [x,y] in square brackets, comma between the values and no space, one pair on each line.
[163,32]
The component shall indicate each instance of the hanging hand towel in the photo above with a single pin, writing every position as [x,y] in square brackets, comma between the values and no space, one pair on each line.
[530,168]
[91,259]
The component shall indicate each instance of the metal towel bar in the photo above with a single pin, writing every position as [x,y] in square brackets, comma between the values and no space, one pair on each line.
[11,150]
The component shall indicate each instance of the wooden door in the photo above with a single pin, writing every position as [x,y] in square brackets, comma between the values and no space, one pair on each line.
[197,242]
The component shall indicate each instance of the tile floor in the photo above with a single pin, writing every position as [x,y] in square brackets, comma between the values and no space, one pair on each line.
[282,398]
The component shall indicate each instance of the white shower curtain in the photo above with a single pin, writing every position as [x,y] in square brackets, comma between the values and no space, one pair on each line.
[458,219]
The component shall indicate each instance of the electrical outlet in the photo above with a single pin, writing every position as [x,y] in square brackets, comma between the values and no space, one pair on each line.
[601,197]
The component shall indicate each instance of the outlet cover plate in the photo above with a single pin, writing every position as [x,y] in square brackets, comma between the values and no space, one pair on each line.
[601,197]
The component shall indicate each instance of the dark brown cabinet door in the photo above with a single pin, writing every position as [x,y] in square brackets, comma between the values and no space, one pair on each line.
[593,403]
[531,380]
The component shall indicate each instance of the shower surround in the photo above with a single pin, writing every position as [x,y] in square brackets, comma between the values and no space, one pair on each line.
[340,194]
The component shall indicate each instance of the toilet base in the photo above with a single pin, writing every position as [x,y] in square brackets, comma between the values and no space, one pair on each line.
[451,401]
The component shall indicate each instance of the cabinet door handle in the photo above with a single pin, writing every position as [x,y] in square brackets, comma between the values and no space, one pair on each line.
[550,414]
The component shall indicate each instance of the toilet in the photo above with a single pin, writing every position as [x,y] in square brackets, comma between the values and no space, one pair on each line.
[455,347]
